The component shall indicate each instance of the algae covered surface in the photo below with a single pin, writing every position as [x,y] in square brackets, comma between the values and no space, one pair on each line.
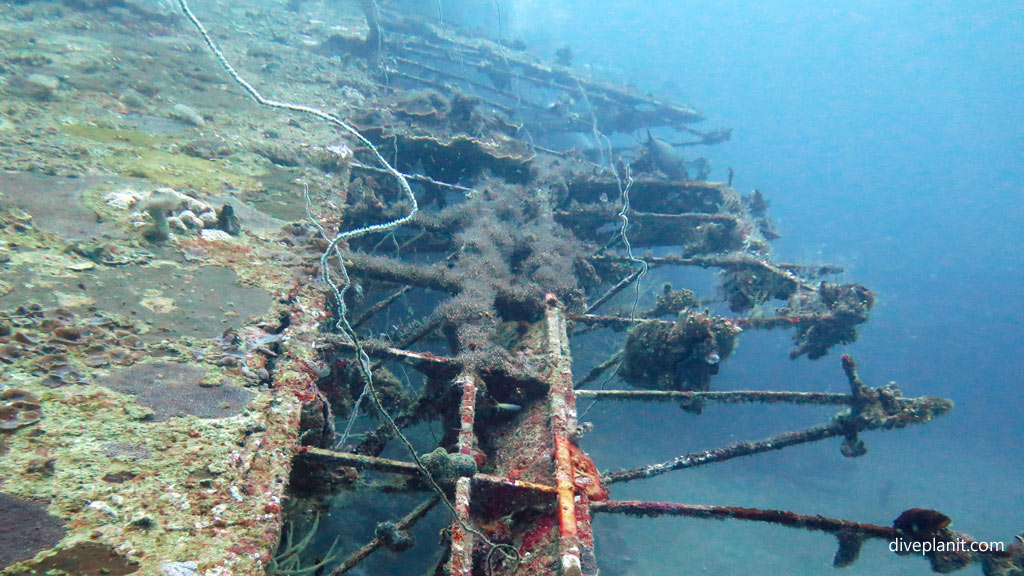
[140,430]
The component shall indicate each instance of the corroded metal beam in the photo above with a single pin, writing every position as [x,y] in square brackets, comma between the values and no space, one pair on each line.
[618,287]
[627,107]
[408,521]
[461,559]
[694,459]
[730,397]
[576,540]
[949,550]
[780,517]
[394,270]
[650,229]
[358,461]
[425,362]
[872,409]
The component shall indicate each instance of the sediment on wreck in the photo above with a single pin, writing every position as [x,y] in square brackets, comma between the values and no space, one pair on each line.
[439,236]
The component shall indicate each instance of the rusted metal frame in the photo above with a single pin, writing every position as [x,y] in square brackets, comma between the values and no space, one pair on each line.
[780,517]
[568,80]
[555,77]
[461,559]
[363,462]
[438,230]
[851,535]
[380,305]
[428,50]
[418,79]
[655,261]
[425,362]
[816,270]
[736,262]
[729,397]
[644,191]
[613,322]
[416,177]
[600,215]
[473,83]
[769,323]
[562,123]
[491,480]
[293,385]
[447,88]
[467,413]
[722,454]
[384,432]
[432,51]
[867,413]
[408,521]
[358,461]
[573,514]
[399,272]
[454,78]
[612,292]
[375,442]
[773,322]
[425,327]
[601,368]
[406,46]
[604,212]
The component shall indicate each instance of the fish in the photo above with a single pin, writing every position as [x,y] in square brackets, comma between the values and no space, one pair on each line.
[508,407]
[666,158]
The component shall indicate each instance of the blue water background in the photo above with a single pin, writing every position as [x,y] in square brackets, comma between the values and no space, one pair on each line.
[890,140]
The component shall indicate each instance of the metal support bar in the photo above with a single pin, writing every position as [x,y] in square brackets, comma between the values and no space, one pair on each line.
[612,292]
[423,361]
[382,304]
[461,560]
[502,482]
[695,459]
[872,409]
[563,419]
[359,461]
[408,521]
[731,397]
[780,517]
[467,413]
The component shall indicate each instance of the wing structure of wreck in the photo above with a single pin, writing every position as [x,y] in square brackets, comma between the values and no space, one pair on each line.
[452,255]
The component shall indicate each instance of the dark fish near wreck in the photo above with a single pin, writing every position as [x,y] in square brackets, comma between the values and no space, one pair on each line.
[666,158]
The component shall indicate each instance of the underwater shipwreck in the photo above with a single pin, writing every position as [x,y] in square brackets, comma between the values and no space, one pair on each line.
[252,262]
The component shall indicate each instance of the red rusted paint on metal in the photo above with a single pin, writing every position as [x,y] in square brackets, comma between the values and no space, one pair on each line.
[460,563]
[574,485]
[537,495]
[467,413]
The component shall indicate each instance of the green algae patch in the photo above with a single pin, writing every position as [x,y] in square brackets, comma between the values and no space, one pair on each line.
[180,171]
[147,157]
[114,135]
